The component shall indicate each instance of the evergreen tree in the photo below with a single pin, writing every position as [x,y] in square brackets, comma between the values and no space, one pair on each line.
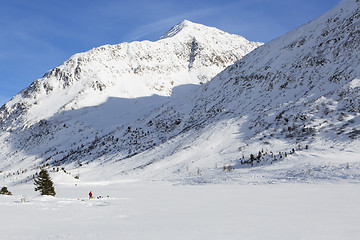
[44,184]
[259,156]
[252,159]
[5,191]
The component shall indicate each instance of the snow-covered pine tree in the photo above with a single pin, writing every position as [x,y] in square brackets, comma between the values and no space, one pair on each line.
[44,183]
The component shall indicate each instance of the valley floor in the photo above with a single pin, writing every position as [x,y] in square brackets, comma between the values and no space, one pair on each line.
[136,209]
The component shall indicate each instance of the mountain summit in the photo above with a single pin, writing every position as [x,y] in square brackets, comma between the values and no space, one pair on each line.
[187,29]
[184,26]
[127,70]
[109,87]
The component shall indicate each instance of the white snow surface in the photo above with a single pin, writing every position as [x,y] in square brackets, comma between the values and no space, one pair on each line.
[134,209]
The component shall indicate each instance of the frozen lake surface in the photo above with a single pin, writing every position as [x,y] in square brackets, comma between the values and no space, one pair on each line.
[160,210]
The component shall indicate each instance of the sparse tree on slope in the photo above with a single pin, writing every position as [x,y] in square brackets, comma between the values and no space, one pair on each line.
[44,184]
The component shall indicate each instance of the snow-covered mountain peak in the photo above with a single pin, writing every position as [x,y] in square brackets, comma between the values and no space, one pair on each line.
[298,92]
[128,70]
[176,29]
[187,28]
[114,106]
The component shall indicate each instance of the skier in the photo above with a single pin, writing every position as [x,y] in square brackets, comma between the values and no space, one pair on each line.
[90,195]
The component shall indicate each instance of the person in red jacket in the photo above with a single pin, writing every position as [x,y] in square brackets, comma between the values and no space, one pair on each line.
[90,195]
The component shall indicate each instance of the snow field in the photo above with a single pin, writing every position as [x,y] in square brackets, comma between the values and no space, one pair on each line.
[309,103]
[159,210]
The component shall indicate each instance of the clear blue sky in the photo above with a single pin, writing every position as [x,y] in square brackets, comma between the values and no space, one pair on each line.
[38,35]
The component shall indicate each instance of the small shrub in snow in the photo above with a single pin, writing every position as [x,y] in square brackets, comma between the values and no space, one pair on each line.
[5,191]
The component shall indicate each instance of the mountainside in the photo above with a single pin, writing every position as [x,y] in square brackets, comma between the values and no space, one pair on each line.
[287,111]
[302,86]
[193,54]
[97,92]
[293,102]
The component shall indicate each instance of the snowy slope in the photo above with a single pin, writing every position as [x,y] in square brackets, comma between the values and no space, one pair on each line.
[193,55]
[99,91]
[293,102]
[287,111]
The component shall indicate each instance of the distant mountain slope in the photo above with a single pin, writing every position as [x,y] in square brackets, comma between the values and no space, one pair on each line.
[297,97]
[287,111]
[96,92]
[302,85]
[127,70]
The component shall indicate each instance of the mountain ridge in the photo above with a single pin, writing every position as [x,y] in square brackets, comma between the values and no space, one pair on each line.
[290,95]
[103,71]
[287,111]
[124,82]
